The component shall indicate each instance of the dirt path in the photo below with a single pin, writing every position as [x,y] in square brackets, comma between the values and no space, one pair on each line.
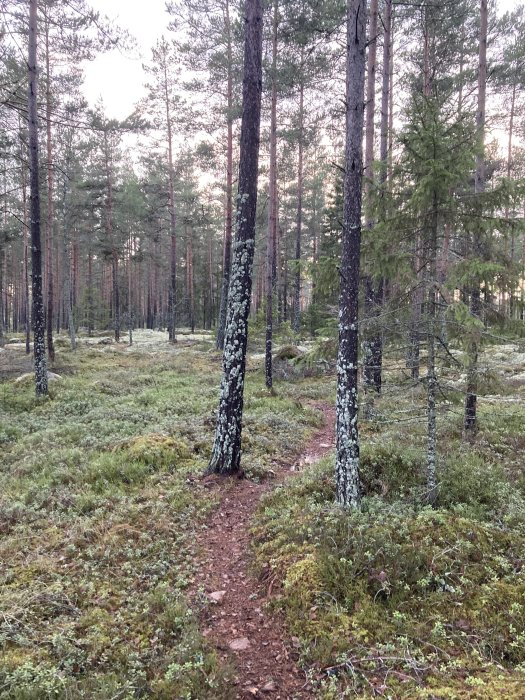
[237,623]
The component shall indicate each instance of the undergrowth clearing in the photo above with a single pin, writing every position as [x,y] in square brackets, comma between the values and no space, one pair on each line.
[99,507]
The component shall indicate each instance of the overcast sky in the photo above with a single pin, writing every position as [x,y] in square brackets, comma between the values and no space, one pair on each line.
[119,78]
[116,77]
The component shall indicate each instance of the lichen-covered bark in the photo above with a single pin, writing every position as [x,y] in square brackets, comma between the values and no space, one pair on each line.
[347,436]
[38,315]
[226,454]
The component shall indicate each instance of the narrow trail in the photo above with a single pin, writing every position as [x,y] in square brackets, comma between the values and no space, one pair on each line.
[236,622]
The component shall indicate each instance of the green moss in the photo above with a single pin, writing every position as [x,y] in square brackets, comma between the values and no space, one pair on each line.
[398,590]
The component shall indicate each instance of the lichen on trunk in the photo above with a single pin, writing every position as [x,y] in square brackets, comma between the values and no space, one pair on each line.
[347,436]
[226,454]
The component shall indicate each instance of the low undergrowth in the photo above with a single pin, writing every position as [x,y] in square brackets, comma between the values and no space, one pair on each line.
[99,506]
[400,600]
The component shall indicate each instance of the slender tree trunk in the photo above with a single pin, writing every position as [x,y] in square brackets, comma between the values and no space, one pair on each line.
[368,369]
[386,91]
[512,290]
[90,299]
[38,314]
[296,320]
[110,237]
[50,205]
[272,210]
[226,454]
[470,418]
[229,188]
[27,319]
[130,291]
[172,299]
[347,436]
[431,360]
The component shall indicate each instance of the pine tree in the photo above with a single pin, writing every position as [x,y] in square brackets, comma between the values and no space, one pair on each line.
[226,454]
[347,435]
[38,315]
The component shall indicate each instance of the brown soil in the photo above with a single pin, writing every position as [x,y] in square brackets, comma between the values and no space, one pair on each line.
[244,633]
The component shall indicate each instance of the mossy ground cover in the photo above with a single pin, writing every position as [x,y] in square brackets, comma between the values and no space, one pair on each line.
[99,506]
[401,600]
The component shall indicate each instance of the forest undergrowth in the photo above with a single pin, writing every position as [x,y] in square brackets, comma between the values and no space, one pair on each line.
[100,503]
[402,600]
[99,507]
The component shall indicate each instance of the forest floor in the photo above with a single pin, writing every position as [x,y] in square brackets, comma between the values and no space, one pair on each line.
[238,621]
[115,552]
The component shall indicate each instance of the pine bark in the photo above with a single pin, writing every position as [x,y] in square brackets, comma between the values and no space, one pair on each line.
[229,188]
[226,454]
[50,206]
[172,298]
[470,417]
[431,494]
[368,369]
[347,436]
[38,315]
[296,320]
[272,211]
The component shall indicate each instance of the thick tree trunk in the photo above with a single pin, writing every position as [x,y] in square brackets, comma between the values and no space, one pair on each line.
[347,436]
[226,454]
[38,315]
[470,417]
[272,211]
[229,189]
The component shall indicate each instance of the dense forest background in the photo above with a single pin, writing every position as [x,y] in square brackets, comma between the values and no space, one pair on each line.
[131,232]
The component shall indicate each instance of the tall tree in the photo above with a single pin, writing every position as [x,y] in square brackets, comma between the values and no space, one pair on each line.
[38,315]
[470,418]
[347,435]
[162,92]
[271,242]
[226,453]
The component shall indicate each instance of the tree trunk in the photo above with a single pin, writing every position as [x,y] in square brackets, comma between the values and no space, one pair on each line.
[226,454]
[50,206]
[172,298]
[431,493]
[512,298]
[386,91]
[296,320]
[38,315]
[26,266]
[229,189]
[347,436]
[470,418]
[368,368]
[272,211]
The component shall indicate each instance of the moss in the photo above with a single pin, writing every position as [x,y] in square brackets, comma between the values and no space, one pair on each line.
[397,590]
[156,451]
